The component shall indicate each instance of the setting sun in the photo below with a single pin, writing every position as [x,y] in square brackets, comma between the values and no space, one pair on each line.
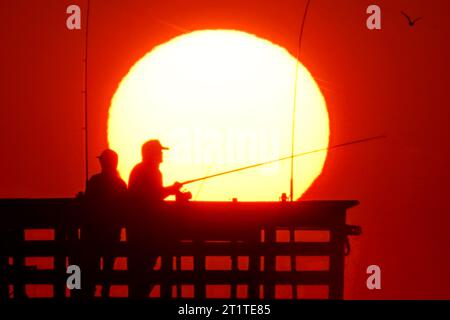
[221,99]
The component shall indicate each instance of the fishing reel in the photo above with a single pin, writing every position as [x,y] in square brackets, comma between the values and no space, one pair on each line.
[183,196]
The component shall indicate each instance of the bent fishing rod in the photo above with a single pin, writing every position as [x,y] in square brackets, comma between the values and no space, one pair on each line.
[294,109]
[336,146]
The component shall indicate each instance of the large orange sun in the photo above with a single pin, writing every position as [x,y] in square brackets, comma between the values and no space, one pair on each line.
[221,99]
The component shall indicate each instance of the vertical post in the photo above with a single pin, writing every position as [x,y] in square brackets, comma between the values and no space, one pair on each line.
[269,262]
[337,259]
[234,268]
[254,266]
[4,264]
[166,284]
[4,289]
[293,261]
[60,262]
[178,270]
[199,270]
[19,264]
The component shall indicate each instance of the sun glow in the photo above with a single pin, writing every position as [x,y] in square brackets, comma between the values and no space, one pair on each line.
[221,99]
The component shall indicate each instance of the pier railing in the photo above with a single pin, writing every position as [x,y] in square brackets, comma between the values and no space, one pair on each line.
[235,249]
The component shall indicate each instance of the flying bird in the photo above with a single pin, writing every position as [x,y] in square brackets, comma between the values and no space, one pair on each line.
[411,22]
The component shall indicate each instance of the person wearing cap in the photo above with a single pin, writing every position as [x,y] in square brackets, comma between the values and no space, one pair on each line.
[145,183]
[149,228]
[104,200]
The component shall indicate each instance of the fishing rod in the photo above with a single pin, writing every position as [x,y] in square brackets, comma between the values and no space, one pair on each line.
[85,101]
[295,99]
[336,146]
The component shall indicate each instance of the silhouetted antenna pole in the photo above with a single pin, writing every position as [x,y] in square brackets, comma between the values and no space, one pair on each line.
[336,146]
[295,100]
[86,156]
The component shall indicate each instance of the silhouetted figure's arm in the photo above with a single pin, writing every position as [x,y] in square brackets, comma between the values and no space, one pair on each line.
[172,190]
[146,184]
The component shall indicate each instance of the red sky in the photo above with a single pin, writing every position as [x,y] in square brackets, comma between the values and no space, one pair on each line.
[393,81]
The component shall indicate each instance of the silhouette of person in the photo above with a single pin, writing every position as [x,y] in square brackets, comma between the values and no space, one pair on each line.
[145,183]
[149,228]
[104,199]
